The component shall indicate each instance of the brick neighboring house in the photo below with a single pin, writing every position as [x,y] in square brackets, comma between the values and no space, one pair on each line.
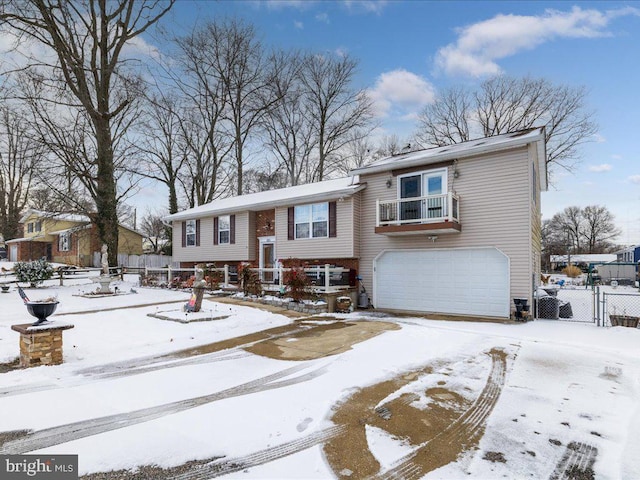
[65,238]
[453,230]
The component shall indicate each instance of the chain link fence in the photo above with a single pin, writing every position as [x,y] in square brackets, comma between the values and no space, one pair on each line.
[568,303]
[620,309]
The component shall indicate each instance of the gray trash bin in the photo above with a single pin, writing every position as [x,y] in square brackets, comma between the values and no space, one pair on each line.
[565,310]
[549,307]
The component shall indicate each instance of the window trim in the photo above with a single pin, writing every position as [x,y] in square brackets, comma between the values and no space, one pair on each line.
[424,174]
[310,221]
[220,230]
[188,235]
[67,236]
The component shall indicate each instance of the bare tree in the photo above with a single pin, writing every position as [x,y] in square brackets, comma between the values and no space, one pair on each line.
[446,121]
[155,230]
[599,228]
[289,133]
[87,39]
[580,230]
[357,153]
[336,109]
[163,144]
[505,104]
[19,162]
[246,75]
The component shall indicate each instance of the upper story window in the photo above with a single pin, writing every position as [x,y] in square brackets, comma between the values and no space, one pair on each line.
[224,229]
[190,226]
[38,226]
[64,242]
[30,227]
[429,188]
[312,221]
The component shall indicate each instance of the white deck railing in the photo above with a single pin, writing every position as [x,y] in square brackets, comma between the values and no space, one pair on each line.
[429,209]
[271,278]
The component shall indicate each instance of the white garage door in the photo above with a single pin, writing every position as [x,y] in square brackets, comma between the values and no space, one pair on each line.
[472,281]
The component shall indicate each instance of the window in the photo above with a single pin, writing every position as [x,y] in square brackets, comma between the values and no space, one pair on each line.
[429,186]
[30,227]
[190,226]
[224,229]
[39,226]
[312,221]
[64,242]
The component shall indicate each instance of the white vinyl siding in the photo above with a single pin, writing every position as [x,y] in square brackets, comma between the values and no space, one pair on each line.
[495,198]
[342,245]
[242,250]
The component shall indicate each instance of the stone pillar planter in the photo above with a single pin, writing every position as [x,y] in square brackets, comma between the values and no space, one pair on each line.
[42,344]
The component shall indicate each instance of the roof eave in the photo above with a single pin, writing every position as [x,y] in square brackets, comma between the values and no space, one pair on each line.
[479,150]
[317,197]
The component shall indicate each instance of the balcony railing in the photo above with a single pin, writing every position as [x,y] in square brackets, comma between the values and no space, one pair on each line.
[417,210]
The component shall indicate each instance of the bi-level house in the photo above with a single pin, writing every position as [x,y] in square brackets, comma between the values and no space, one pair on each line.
[452,230]
[65,238]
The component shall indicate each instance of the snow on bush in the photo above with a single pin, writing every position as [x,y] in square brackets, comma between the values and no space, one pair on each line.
[34,272]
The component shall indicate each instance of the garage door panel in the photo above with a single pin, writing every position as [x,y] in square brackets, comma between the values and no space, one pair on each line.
[458,281]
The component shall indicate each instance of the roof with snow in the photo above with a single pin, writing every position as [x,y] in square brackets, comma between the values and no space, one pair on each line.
[312,192]
[464,149]
[68,217]
[585,258]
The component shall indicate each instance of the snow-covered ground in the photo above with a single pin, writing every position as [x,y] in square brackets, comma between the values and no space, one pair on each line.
[565,384]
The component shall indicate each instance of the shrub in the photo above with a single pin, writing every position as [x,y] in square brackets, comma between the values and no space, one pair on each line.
[297,282]
[34,272]
[212,276]
[249,280]
[572,271]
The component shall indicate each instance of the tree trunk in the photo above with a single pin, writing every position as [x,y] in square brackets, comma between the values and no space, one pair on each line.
[106,205]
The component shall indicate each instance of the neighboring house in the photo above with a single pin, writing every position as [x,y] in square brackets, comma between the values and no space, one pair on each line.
[453,230]
[630,254]
[582,260]
[65,238]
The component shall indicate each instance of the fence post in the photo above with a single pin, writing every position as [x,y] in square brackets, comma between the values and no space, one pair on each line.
[280,277]
[596,306]
[327,277]
[226,274]
[60,273]
[169,275]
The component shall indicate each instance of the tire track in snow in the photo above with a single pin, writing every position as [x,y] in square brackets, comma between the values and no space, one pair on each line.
[459,436]
[577,462]
[232,465]
[85,428]
[229,349]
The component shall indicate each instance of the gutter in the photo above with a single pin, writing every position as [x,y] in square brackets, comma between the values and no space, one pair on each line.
[420,160]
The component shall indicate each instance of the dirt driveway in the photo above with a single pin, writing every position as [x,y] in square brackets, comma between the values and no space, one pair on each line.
[426,409]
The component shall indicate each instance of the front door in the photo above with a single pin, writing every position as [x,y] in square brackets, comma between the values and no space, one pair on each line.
[267,258]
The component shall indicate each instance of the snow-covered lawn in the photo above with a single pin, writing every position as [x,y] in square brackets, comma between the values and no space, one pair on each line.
[566,387]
